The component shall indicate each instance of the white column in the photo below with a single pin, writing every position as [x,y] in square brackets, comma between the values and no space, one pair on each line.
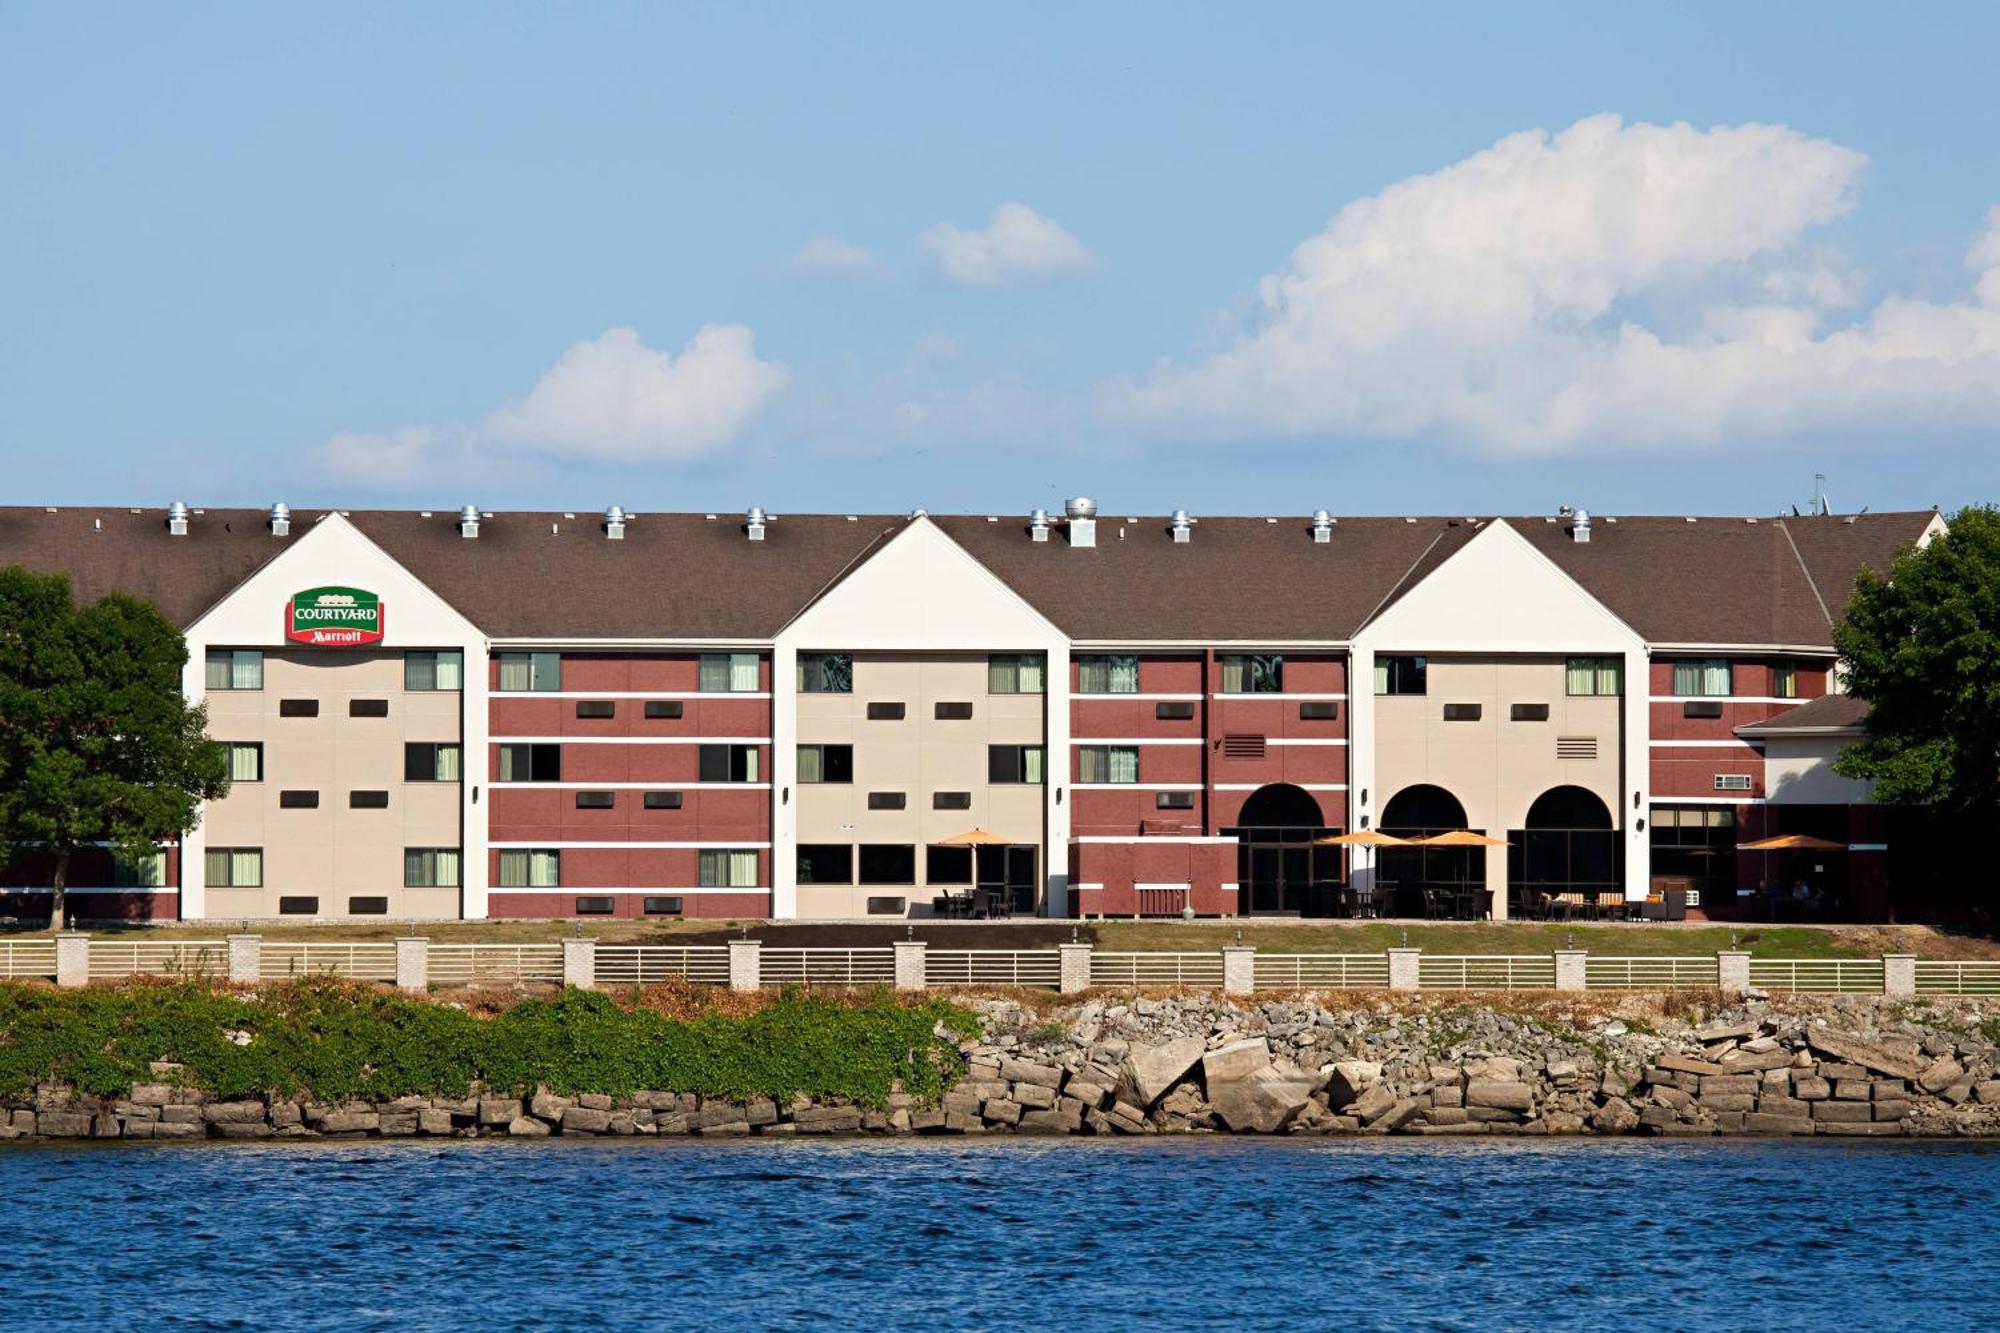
[784,781]
[579,958]
[1899,974]
[1074,964]
[246,959]
[1634,814]
[910,973]
[73,959]
[474,793]
[194,846]
[1239,969]
[1732,969]
[1362,798]
[413,964]
[746,965]
[1056,796]
[1404,970]
[1570,969]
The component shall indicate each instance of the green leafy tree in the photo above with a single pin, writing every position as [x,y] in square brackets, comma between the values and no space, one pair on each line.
[1922,646]
[97,742]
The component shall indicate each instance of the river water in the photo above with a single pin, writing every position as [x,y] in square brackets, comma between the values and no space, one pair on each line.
[1012,1235]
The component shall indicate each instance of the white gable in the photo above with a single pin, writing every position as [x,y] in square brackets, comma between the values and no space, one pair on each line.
[1498,594]
[921,592]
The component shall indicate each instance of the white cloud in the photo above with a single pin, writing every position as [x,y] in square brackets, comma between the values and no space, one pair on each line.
[1609,285]
[607,399]
[832,257]
[1018,245]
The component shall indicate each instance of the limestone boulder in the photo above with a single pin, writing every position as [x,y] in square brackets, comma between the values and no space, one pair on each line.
[1351,1078]
[1237,1060]
[1148,1072]
[1265,1099]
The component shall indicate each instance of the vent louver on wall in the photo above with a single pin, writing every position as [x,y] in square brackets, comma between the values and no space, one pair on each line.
[1576,747]
[1732,782]
[1243,746]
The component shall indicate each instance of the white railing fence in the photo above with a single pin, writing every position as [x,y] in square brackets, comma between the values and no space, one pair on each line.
[827,967]
[1662,973]
[1334,971]
[1037,968]
[1155,969]
[27,959]
[1822,975]
[111,960]
[651,964]
[1942,977]
[493,964]
[369,961]
[1486,972]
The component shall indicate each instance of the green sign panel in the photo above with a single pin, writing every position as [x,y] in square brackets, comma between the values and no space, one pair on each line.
[334,618]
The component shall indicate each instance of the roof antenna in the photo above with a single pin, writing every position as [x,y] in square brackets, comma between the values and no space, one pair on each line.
[1821,505]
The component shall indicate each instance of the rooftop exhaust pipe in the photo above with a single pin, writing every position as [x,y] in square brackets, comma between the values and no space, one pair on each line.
[1181,526]
[1579,526]
[614,523]
[1038,526]
[1082,515]
[468,521]
[1322,526]
[177,519]
[753,524]
[281,519]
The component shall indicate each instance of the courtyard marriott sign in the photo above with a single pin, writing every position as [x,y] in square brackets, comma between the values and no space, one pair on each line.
[334,618]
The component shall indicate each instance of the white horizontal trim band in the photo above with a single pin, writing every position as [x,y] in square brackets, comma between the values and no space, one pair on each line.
[1706,745]
[661,890]
[1659,800]
[1302,786]
[1305,740]
[1135,786]
[1308,698]
[559,846]
[1081,697]
[1134,740]
[1181,886]
[665,784]
[5,889]
[628,694]
[1722,699]
[629,740]
[1127,838]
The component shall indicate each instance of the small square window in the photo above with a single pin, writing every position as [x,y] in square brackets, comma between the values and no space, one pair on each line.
[1319,711]
[368,907]
[953,712]
[885,712]
[298,800]
[596,708]
[663,800]
[368,708]
[298,708]
[1528,712]
[1182,711]
[1702,708]
[663,906]
[887,800]
[1463,712]
[1175,800]
[951,800]
[595,800]
[368,800]
[888,906]
[657,709]
[298,906]
[595,906]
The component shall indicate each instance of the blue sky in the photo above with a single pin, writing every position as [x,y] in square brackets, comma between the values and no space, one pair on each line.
[384,256]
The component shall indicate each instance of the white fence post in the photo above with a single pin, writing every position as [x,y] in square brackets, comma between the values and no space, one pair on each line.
[1570,969]
[72,959]
[580,963]
[1073,968]
[1732,971]
[1403,968]
[1899,974]
[413,964]
[910,965]
[1239,969]
[746,965]
[246,959]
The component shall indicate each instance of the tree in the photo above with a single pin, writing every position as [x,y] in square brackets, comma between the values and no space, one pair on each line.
[97,741]
[1922,646]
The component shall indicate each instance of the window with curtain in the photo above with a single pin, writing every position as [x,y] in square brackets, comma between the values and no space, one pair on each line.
[1401,675]
[435,761]
[530,763]
[728,868]
[1013,763]
[1587,676]
[431,867]
[433,671]
[826,763]
[1107,673]
[728,763]
[233,669]
[234,867]
[530,671]
[1785,682]
[246,761]
[1702,677]
[138,872]
[1107,763]
[729,673]
[824,673]
[1014,673]
[536,868]
[1253,673]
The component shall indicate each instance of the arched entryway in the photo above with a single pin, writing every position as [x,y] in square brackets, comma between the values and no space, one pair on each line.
[1403,873]
[1278,870]
[1569,845]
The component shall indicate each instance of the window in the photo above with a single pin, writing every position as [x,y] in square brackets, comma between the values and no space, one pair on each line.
[888,863]
[826,863]
[729,673]
[951,800]
[368,800]
[433,671]
[1174,800]
[1528,712]
[728,868]
[729,763]
[1327,711]
[1702,708]
[947,865]
[826,673]
[1174,712]
[887,800]
[1253,673]
[1463,712]
[298,906]
[1400,675]
[1107,673]
[953,712]
[885,712]
[662,708]
[233,868]
[663,800]
[596,905]
[1014,673]
[298,800]
[521,762]
[1696,841]
[430,761]
[368,708]
[234,669]
[826,763]
[368,906]
[1107,763]
[1587,676]
[1013,763]
[540,868]
[246,761]
[1702,677]
[886,906]
[298,708]
[431,867]
[1785,682]
[142,872]
[663,906]
[530,671]
[596,800]
[596,708]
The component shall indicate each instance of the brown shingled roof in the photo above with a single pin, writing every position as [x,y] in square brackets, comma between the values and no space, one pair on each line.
[1830,712]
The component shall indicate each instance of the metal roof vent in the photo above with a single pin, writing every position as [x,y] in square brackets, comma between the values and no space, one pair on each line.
[753,524]
[1181,526]
[177,519]
[1038,526]
[1579,526]
[281,519]
[1082,512]
[1322,526]
[614,523]
[468,521]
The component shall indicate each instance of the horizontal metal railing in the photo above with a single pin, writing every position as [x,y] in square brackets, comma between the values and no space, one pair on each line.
[1856,975]
[493,964]
[1938,977]
[1155,969]
[1296,971]
[113,959]
[22,959]
[1486,972]
[1171,900]
[1650,973]
[1041,968]
[651,964]
[828,967]
[368,961]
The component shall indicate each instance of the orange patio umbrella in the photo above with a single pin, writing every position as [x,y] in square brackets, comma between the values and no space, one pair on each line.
[977,837]
[1364,838]
[1459,838]
[1792,842]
